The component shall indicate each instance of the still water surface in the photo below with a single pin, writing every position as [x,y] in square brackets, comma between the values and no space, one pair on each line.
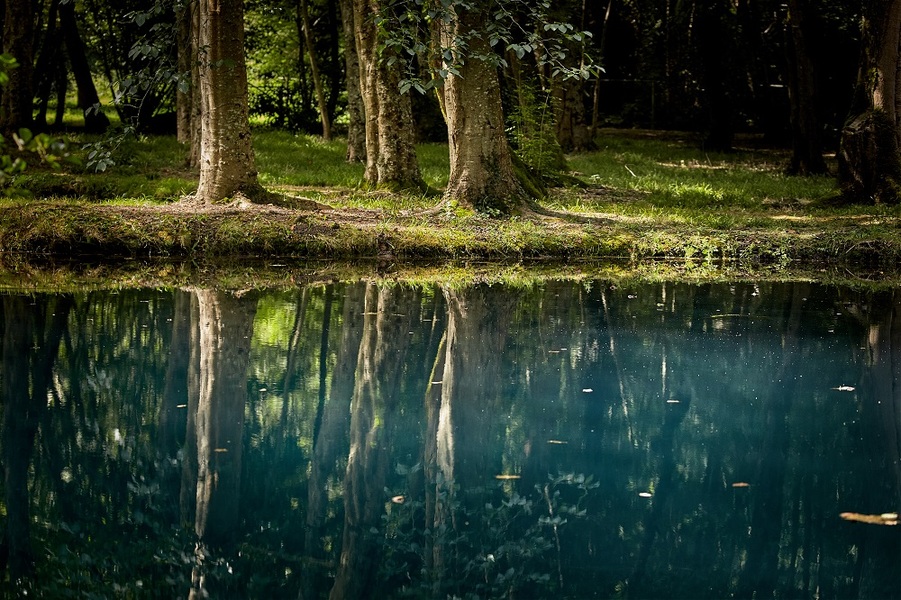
[564,440]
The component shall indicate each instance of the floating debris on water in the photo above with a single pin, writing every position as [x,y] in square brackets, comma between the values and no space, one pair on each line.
[503,477]
[645,494]
[741,484]
[587,390]
[844,388]
[883,519]
[556,442]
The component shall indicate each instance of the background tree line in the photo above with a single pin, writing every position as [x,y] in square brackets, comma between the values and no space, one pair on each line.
[796,72]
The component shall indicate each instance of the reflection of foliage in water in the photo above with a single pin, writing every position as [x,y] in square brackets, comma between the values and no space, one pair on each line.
[495,542]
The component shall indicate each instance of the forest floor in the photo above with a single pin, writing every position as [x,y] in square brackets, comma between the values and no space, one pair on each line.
[648,198]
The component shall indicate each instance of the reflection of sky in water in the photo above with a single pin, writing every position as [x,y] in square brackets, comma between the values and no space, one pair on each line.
[574,440]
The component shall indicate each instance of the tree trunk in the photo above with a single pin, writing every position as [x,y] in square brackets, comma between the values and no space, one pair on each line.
[390,144]
[482,175]
[18,40]
[314,68]
[356,126]
[48,64]
[88,100]
[807,142]
[226,155]
[869,161]
[184,16]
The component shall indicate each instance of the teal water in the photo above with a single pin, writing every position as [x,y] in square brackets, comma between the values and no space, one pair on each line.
[565,440]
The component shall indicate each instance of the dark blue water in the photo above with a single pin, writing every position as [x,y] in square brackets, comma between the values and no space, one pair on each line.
[563,440]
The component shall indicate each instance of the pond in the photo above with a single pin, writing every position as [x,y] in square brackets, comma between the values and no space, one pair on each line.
[569,439]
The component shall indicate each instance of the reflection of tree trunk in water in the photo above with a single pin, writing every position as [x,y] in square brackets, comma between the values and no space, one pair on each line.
[470,384]
[188,497]
[623,394]
[876,569]
[386,326]
[225,328]
[759,571]
[666,480]
[175,390]
[30,348]
[331,439]
[435,515]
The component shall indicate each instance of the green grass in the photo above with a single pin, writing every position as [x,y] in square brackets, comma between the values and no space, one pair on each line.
[657,196]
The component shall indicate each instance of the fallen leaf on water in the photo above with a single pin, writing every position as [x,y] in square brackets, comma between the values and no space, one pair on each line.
[556,442]
[883,519]
[221,450]
[645,494]
[181,406]
[741,484]
[587,390]
[844,388]
[672,401]
[398,499]
[505,477]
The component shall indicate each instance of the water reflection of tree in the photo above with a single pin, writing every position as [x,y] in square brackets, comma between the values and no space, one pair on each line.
[33,328]
[390,312]
[225,327]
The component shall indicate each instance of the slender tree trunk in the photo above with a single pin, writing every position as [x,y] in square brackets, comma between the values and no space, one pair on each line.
[807,138]
[314,68]
[47,64]
[226,155]
[390,133]
[184,17]
[18,40]
[196,100]
[356,126]
[869,158]
[88,100]
[482,175]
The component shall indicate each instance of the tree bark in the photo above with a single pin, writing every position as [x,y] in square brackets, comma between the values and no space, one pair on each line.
[807,131]
[314,68]
[18,40]
[482,174]
[869,160]
[88,100]
[356,126]
[226,155]
[391,160]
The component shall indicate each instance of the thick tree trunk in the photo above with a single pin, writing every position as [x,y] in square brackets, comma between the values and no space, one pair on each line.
[356,126]
[390,134]
[314,68]
[18,40]
[226,155]
[807,132]
[88,100]
[482,175]
[869,159]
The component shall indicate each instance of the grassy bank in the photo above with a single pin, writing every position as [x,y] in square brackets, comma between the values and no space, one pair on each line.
[654,195]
